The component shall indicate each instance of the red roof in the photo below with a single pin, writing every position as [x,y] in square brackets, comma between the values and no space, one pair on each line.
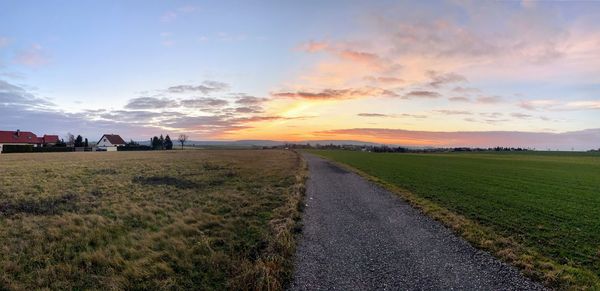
[114,139]
[50,138]
[22,137]
[8,137]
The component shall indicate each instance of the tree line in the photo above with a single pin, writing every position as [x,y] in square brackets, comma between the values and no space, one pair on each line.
[157,143]
[160,143]
[398,149]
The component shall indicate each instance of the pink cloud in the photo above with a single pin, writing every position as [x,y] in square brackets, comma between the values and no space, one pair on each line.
[168,16]
[313,46]
[385,80]
[555,105]
[4,41]
[489,99]
[172,15]
[359,56]
[459,99]
[34,56]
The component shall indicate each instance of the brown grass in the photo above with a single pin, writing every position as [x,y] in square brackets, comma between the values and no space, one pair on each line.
[193,219]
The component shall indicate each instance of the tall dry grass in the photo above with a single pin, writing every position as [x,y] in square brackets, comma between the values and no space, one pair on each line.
[208,220]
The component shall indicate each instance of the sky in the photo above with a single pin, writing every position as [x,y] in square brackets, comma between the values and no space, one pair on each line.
[413,73]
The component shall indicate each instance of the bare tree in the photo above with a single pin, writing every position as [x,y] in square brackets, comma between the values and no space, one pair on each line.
[182,139]
[70,139]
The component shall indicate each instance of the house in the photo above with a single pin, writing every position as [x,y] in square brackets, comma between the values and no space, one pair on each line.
[110,142]
[48,140]
[26,138]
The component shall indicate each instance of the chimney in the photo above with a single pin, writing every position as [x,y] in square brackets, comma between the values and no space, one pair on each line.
[18,132]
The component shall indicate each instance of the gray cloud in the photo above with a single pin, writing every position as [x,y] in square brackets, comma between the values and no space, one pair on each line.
[206,88]
[15,95]
[392,115]
[334,94]
[373,115]
[465,90]
[150,103]
[250,100]
[453,112]
[413,115]
[440,79]
[203,102]
[133,116]
[491,114]
[421,94]
[463,39]
[521,115]
[249,109]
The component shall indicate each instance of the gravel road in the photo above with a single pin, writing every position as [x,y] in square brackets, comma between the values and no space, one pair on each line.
[358,236]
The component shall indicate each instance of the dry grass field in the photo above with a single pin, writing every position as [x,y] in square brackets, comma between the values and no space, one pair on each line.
[149,220]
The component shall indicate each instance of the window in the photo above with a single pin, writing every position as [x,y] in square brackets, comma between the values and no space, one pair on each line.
[104,140]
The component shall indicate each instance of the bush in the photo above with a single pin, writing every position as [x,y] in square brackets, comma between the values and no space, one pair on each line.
[53,149]
[134,148]
[17,148]
[31,149]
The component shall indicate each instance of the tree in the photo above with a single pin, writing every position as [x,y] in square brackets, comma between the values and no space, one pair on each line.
[182,139]
[85,143]
[168,143]
[78,141]
[155,143]
[70,139]
[161,141]
[60,144]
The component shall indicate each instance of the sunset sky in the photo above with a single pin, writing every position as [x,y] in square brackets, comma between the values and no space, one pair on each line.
[435,73]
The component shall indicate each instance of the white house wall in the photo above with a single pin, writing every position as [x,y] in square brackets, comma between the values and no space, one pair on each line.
[104,142]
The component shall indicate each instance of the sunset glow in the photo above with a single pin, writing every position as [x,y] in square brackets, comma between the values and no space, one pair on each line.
[415,73]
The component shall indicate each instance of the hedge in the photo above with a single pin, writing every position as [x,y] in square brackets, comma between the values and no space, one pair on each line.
[7,149]
[11,148]
[134,148]
[53,149]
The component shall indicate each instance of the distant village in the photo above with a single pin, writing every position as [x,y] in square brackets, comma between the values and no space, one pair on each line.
[24,142]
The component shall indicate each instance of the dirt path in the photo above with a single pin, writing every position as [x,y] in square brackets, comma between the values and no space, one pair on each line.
[358,236]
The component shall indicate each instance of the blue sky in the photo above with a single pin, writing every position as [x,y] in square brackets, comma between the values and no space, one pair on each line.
[316,69]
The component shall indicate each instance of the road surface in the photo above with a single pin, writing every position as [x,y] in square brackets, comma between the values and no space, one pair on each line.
[358,236]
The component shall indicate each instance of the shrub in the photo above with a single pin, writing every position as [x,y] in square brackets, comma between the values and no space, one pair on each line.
[134,148]
[17,149]
[53,149]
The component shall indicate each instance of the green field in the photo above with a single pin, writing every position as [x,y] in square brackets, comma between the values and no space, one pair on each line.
[548,203]
[176,220]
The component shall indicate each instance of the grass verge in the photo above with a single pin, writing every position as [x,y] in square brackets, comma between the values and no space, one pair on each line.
[273,271]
